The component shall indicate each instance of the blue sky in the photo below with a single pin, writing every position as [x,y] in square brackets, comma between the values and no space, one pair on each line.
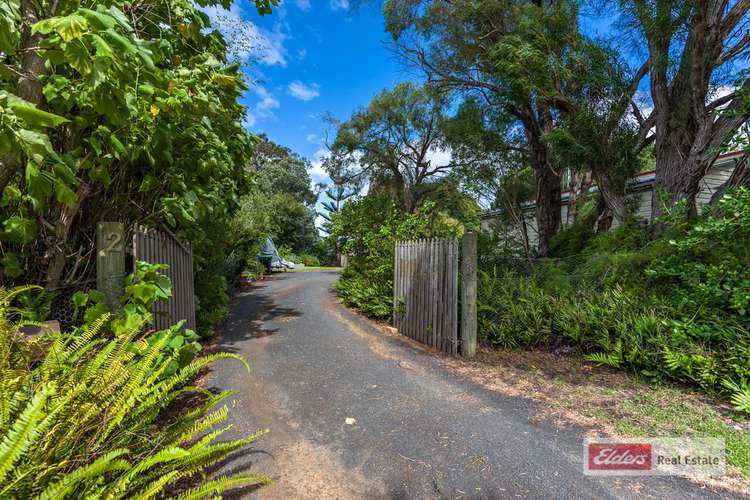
[309,58]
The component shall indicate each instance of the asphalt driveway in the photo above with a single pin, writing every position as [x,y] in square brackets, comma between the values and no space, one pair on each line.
[355,413]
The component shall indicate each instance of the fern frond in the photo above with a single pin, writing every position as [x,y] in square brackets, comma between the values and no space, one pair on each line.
[98,467]
[219,485]
[165,455]
[156,487]
[24,432]
[740,395]
[612,359]
[203,454]
[135,385]
[86,338]
[202,426]
[175,431]
[7,296]
[183,376]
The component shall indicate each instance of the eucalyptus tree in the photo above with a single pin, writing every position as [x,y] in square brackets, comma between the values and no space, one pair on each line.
[395,144]
[527,59]
[697,51]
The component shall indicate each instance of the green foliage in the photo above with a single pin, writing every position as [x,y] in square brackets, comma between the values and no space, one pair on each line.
[139,121]
[707,265]
[84,414]
[370,226]
[373,295]
[672,308]
[520,313]
[142,290]
[309,260]
[281,207]
[389,144]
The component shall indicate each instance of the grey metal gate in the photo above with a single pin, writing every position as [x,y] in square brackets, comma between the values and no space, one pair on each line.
[162,247]
[425,292]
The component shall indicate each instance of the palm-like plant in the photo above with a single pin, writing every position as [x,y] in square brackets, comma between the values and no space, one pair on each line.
[83,415]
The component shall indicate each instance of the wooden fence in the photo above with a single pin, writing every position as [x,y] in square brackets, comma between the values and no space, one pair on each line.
[425,292]
[161,247]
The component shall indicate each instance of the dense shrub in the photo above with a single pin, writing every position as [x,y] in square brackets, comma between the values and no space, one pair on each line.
[101,412]
[309,260]
[371,293]
[370,228]
[672,308]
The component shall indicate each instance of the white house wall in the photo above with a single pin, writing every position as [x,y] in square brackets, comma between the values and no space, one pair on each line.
[715,177]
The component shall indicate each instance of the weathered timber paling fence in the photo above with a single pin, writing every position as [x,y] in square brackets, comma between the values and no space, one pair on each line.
[161,247]
[425,292]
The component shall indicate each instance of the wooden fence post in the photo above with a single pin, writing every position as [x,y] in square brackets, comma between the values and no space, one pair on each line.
[110,262]
[469,296]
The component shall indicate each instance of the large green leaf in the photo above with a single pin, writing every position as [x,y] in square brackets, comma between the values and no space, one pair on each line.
[31,114]
[38,183]
[103,49]
[64,194]
[78,57]
[11,267]
[35,145]
[9,23]
[119,42]
[69,28]
[99,20]
[17,229]
[117,15]
[65,173]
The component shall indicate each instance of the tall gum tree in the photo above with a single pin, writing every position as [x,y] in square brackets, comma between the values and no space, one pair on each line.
[394,144]
[529,59]
[525,58]
[695,49]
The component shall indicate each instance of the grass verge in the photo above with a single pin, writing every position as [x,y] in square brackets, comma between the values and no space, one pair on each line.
[312,269]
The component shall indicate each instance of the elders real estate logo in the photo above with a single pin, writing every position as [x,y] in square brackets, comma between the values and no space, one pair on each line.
[619,456]
[654,456]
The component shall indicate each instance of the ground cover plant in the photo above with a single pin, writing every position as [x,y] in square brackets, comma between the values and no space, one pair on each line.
[99,412]
[671,308]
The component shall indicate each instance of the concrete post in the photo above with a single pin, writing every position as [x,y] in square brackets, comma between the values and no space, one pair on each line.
[110,262]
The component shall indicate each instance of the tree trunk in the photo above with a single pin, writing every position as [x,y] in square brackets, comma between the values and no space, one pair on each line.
[578,199]
[547,178]
[548,203]
[29,87]
[740,177]
[62,230]
[678,177]
[613,196]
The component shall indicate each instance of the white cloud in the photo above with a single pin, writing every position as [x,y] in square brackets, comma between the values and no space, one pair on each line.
[303,5]
[263,107]
[246,40]
[439,157]
[316,170]
[339,4]
[311,137]
[303,91]
[319,221]
[301,54]
[267,102]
